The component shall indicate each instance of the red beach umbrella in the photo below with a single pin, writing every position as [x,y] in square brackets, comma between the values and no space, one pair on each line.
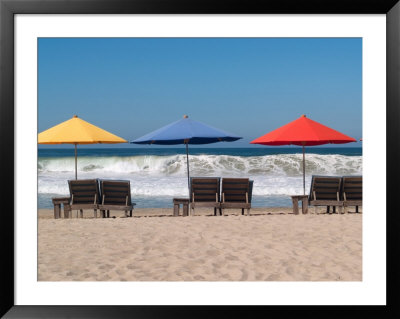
[303,132]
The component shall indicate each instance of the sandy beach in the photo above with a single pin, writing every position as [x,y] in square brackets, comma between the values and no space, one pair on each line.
[271,244]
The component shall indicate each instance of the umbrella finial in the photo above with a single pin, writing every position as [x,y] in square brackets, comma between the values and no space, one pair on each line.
[75,116]
[185,116]
[303,115]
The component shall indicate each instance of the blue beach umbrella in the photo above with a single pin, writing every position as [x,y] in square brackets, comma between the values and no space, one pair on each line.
[186,131]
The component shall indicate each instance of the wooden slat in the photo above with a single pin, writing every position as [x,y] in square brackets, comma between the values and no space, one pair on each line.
[84,193]
[326,203]
[235,205]
[353,196]
[333,183]
[85,184]
[235,180]
[84,197]
[115,183]
[235,191]
[203,183]
[326,195]
[229,197]
[114,200]
[116,194]
[202,188]
[204,180]
[115,207]
[115,190]
[352,203]
[204,199]
[83,206]
[352,178]
[235,185]
[205,204]
[213,196]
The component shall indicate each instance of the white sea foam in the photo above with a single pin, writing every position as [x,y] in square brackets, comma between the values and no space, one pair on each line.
[166,175]
[282,164]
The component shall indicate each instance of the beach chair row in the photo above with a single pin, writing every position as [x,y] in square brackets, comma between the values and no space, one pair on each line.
[220,194]
[102,195]
[336,191]
[215,192]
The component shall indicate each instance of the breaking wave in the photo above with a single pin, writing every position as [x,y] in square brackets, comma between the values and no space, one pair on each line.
[165,176]
[271,165]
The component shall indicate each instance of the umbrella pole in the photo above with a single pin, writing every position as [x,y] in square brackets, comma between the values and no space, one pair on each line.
[76,164]
[304,172]
[187,165]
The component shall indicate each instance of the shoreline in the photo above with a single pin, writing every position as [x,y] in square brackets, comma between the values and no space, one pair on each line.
[47,213]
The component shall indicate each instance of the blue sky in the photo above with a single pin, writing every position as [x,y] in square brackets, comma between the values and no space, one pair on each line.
[247,86]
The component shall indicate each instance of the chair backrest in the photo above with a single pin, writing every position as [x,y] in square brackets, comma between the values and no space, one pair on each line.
[84,191]
[235,189]
[114,192]
[352,187]
[204,189]
[325,187]
[250,190]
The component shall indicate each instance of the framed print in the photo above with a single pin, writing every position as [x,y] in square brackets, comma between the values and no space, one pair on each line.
[217,65]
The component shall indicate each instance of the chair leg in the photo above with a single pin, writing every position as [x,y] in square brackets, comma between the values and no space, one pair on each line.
[67,211]
[103,213]
[242,211]
[95,213]
[340,210]
[356,209]
[108,214]
[81,211]
[130,213]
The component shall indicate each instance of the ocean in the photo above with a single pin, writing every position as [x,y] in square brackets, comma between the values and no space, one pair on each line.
[159,174]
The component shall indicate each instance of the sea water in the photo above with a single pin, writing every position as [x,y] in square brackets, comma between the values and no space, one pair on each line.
[158,174]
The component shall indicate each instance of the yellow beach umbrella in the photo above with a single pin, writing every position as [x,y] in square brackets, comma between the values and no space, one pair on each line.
[77,131]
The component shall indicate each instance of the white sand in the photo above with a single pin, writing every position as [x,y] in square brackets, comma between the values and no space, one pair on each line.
[269,245]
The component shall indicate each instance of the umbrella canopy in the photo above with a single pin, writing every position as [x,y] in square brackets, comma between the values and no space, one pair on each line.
[303,132]
[77,131]
[186,131]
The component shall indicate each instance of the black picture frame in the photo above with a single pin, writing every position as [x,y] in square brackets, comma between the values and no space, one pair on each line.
[8,8]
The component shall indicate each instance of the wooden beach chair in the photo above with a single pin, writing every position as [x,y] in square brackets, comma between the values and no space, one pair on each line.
[84,194]
[115,195]
[352,192]
[236,194]
[205,192]
[325,191]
